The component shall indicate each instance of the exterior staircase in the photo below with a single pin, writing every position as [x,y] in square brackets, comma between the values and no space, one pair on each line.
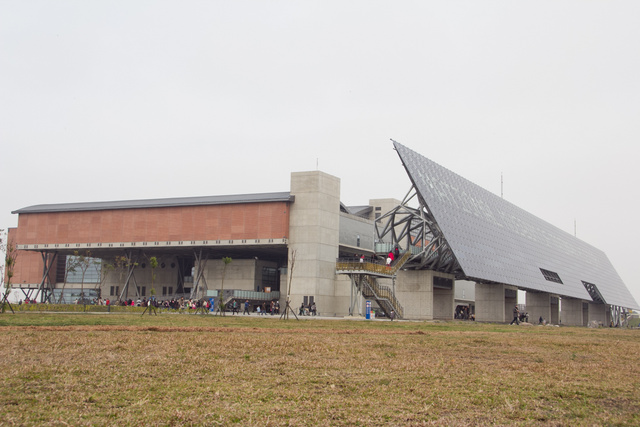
[375,269]
[364,275]
[383,295]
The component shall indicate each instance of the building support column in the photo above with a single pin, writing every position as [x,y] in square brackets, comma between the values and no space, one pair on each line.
[199,290]
[510,301]
[443,303]
[356,295]
[598,313]
[131,266]
[555,310]
[490,302]
[538,306]
[571,314]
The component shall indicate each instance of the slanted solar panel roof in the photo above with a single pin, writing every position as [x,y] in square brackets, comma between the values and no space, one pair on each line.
[496,241]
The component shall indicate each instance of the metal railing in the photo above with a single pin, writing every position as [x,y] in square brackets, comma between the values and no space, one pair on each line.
[354,265]
[252,295]
[382,294]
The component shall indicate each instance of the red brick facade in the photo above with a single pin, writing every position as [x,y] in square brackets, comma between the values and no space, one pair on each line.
[29,266]
[217,222]
[268,220]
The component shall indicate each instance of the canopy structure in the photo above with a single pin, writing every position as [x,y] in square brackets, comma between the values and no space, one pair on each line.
[495,241]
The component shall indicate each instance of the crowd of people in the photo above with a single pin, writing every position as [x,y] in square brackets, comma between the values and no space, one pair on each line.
[392,256]
[308,310]
[182,305]
[464,313]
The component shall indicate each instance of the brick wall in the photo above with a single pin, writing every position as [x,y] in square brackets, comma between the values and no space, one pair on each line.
[235,221]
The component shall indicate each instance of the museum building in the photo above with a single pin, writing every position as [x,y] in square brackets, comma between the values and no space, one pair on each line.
[306,244]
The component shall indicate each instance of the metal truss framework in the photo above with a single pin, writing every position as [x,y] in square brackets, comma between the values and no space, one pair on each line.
[619,316]
[416,230]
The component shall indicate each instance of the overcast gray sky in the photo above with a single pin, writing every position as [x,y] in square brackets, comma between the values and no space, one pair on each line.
[117,100]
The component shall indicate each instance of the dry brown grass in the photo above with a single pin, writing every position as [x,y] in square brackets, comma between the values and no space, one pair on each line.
[188,370]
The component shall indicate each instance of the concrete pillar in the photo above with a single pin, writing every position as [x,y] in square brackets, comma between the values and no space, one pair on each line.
[598,312]
[443,303]
[555,310]
[490,303]
[314,224]
[538,305]
[510,301]
[414,290]
[571,314]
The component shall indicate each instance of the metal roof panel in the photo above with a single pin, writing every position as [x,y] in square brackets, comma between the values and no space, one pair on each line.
[496,241]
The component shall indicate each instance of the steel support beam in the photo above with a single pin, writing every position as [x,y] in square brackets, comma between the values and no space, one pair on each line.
[417,229]
[131,266]
[199,290]
[46,287]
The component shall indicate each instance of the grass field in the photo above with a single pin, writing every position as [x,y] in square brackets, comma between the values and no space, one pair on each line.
[99,369]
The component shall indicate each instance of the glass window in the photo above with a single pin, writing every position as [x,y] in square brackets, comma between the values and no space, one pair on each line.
[77,267]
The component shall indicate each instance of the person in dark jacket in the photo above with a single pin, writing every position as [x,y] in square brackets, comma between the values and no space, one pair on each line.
[516,314]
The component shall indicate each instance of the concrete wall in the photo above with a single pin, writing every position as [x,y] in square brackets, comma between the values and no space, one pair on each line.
[510,301]
[414,290]
[313,234]
[241,274]
[490,303]
[571,314]
[555,310]
[465,291]
[352,227]
[381,207]
[443,303]
[598,312]
[384,205]
[166,276]
[538,305]
[340,305]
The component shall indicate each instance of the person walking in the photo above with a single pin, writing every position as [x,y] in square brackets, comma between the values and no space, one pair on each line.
[516,314]
[246,308]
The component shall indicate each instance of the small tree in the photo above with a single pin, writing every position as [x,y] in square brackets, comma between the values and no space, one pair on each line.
[11,255]
[84,262]
[226,261]
[122,263]
[287,308]
[104,268]
[153,263]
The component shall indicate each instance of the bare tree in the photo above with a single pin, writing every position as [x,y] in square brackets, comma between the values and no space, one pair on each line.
[84,263]
[11,255]
[153,263]
[104,269]
[226,261]
[287,308]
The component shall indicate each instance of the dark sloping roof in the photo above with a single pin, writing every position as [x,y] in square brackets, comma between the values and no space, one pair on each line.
[496,241]
[159,203]
[361,211]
